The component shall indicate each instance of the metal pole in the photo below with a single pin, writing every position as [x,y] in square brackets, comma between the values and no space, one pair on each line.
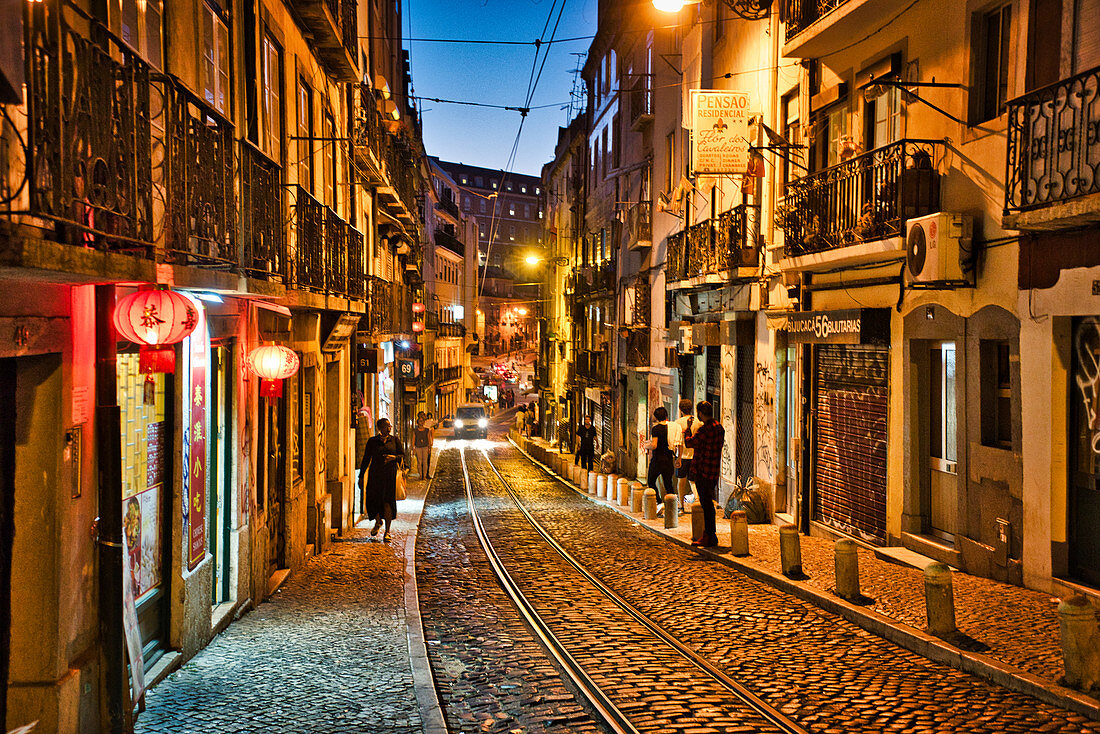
[109,540]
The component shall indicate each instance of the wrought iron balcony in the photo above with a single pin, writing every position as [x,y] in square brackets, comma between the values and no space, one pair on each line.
[639,225]
[450,374]
[84,163]
[333,25]
[357,265]
[383,307]
[592,366]
[641,104]
[201,226]
[327,245]
[1054,144]
[593,281]
[386,161]
[448,329]
[444,238]
[310,255]
[336,252]
[866,198]
[262,218]
[801,14]
[449,206]
[715,246]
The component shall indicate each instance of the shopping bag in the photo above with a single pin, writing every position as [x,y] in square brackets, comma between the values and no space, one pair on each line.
[401,493]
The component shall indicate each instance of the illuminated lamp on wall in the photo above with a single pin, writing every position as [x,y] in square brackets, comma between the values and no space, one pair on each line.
[273,363]
[155,318]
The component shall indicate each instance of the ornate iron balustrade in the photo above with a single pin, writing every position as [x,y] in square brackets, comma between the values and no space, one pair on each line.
[336,253]
[738,230]
[450,329]
[703,254]
[382,312]
[85,159]
[367,131]
[641,102]
[310,255]
[639,223]
[201,206]
[637,347]
[1054,143]
[801,14]
[591,365]
[676,256]
[450,374]
[449,206]
[349,26]
[866,198]
[594,280]
[262,218]
[357,265]
[639,297]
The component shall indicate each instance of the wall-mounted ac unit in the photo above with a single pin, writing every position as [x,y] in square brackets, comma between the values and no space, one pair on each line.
[933,244]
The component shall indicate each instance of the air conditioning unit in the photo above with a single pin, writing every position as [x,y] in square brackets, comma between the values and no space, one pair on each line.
[933,244]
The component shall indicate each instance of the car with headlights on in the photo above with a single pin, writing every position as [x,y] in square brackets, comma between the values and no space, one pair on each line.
[471,420]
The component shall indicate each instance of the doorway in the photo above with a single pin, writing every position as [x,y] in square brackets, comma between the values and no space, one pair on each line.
[943,478]
[221,468]
[271,479]
[1084,440]
[7,515]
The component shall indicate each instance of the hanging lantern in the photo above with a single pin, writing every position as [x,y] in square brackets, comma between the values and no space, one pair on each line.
[273,363]
[155,318]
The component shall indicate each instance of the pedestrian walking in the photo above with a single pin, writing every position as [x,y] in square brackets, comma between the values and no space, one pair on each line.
[684,454]
[532,420]
[422,446]
[662,457]
[706,440]
[382,460]
[521,420]
[586,444]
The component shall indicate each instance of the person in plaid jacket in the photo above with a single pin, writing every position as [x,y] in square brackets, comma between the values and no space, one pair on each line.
[706,440]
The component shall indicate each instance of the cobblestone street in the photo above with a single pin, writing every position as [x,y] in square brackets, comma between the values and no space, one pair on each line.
[327,653]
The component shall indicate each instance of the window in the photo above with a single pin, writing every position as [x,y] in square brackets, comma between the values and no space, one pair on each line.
[215,59]
[305,136]
[511,209]
[523,188]
[493,183]
[526,211]
[481,232]
[830,126]
[537,192]
[463,180]
[328,159]
[139,24]
[508,185]
[994,31]
[996,393]
[540,213]
[883,118]
[481,206]
[606,157]
[479,182]
[792,132]
[271,103]
[942,415]
[512,232]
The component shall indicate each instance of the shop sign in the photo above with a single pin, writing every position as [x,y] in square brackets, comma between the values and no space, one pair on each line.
[719,131]
[368,359]
[847,326]
[194,444]
[408,369]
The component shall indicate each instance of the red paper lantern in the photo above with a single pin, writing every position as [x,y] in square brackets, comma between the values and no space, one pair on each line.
[273,363]
[155,317]
[419,307]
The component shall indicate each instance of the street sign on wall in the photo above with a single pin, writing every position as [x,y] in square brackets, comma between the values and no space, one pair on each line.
[719,131]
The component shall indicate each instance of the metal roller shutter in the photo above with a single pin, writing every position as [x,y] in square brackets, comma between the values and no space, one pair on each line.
[851,398]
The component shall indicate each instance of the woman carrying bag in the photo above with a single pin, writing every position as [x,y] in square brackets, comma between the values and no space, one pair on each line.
[380,472]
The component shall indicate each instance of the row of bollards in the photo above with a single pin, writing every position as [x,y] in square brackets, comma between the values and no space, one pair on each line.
[1080,631]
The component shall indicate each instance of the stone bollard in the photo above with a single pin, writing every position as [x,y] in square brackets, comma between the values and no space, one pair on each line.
[636,491]
[790,551]
[649,504]
[577,472]
[672,514]
[622,491]
[846,563]
[582,479]
[612,484]
[592,477]
[601,486]
[1080,642]
[739,533]
[696,520]
[939,599]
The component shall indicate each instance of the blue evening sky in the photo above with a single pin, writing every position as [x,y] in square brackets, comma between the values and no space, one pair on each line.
[493,74]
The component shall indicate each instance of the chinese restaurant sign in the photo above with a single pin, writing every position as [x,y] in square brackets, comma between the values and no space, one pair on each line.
[719,131]
[197,348]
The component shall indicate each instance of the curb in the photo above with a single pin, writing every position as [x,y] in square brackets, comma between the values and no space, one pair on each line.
[902,635]
[432,720]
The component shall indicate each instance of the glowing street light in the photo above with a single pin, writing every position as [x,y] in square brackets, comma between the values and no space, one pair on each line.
[532,259]
[669,6]
[521,311]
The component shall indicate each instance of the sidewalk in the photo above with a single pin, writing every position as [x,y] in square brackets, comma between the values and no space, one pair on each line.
[1019,626]
[338,648]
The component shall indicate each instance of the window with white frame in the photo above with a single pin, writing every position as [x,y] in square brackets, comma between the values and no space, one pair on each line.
[215,59]
[993,49]
[140,24]
[271,102]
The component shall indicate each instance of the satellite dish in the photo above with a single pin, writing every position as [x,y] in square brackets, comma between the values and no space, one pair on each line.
[916,251]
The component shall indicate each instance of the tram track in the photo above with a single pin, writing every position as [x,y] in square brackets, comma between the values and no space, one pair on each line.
[646,657]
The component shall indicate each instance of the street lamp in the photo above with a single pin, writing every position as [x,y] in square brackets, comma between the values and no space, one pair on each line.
[532,259]
[747,9]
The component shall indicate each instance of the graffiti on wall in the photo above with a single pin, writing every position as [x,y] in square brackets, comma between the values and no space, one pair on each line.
[1087,346]
[728,407]
[764,421]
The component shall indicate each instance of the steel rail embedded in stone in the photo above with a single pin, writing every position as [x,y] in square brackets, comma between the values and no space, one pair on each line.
[746,696]
[608,711]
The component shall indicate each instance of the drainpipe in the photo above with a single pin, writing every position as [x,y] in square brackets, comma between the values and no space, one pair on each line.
[109,534]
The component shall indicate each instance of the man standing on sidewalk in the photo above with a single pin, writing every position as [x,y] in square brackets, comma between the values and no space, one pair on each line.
[586,444]
[706,442]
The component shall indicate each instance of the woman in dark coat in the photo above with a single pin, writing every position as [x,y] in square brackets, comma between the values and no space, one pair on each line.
[378,471]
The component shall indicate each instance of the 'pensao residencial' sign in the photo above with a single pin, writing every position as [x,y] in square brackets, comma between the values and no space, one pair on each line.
[719,131]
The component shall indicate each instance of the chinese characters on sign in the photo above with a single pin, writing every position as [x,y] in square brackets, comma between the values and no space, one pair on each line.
[719,131]
[197,349]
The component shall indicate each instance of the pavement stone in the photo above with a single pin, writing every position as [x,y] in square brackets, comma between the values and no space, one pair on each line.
[327,653]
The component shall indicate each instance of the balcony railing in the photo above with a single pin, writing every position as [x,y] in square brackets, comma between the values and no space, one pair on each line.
[262,219]
[866,198]
[591,365]
[1054,143]
[449,206]
[444,238]
[330,256]
[597,280]
[637,347]
[310,214]
[450,374]
[641,103]
[447,329]
[801,14]
[357,265]
[714,247]
[639,225]
[336,252]
[383,309]
[85,159]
